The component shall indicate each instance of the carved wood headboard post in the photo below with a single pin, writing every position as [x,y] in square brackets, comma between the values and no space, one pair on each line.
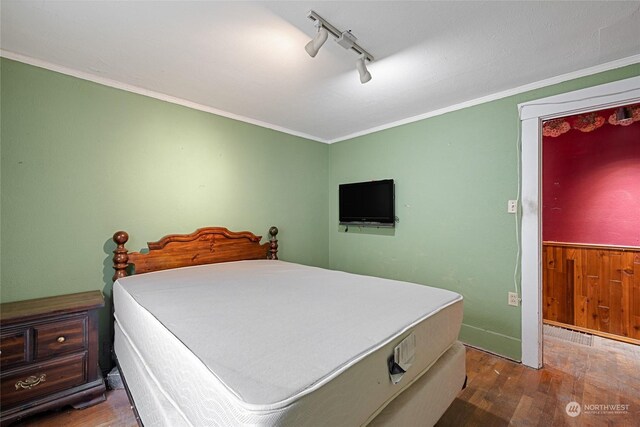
[273,243]
[120,255]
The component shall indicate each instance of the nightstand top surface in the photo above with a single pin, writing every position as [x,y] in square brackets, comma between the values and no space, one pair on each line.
[19,311]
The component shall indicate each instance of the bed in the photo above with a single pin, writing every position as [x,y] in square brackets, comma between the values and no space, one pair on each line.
[214,330]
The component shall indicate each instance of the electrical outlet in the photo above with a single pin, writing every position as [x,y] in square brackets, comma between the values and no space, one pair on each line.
[513,299]
[512,206]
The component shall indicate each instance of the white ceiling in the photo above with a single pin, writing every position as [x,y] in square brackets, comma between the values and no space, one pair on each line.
[247,59]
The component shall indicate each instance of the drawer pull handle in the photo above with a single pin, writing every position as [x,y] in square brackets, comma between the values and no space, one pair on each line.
[31,382]
[61,339]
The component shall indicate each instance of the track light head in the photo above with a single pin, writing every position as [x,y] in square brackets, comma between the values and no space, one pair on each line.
[365,75]
[314,45]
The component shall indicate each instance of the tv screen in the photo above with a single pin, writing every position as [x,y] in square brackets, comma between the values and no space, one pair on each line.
[367,203]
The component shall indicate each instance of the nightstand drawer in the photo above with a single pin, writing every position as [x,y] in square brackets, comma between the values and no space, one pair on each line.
[42,379]
[49,354]
[14,347]
[60,337]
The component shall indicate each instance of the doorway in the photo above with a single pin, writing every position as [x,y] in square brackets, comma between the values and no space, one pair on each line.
[591,223]
[532,114]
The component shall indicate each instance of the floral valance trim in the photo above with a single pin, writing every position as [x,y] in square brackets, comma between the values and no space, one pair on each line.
[591,121]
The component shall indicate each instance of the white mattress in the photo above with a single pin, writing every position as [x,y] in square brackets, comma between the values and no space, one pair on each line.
[274,343]
[419,405]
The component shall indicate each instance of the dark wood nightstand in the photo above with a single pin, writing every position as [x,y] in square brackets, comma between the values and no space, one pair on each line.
[49,354]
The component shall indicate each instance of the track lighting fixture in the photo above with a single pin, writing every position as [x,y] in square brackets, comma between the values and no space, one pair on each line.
[344,38]
[314,45]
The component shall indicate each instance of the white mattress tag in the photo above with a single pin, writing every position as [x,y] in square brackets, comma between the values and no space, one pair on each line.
[404,354]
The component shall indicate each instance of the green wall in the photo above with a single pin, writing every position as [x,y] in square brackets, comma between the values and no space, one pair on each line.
[454,174]
[81,160]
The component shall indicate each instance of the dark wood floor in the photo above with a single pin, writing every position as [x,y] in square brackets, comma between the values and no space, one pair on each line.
[115,412]
[499,392]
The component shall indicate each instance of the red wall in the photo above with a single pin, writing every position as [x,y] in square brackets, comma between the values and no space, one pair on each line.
[591,186]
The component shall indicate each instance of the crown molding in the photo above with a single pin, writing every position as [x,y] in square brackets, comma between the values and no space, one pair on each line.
[623,62]
[150,93]
[619,63]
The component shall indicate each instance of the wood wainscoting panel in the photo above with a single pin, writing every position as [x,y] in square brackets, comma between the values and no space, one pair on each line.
[592,286]
[559,285]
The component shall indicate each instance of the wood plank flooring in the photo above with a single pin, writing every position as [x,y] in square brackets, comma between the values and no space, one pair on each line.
[114,412]
[499,392]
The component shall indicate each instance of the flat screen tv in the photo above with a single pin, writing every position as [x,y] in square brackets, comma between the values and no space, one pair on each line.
[367,203]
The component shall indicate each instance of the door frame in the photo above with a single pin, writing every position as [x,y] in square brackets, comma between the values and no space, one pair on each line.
[532,114]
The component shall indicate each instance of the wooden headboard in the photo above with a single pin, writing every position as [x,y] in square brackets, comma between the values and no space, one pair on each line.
[204,246]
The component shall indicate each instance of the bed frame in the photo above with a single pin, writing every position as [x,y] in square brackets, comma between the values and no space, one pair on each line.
[208,245]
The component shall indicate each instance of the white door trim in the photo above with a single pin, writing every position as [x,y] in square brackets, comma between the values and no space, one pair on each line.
[532,114]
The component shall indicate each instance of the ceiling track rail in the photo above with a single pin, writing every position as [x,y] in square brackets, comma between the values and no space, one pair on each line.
[337,33]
